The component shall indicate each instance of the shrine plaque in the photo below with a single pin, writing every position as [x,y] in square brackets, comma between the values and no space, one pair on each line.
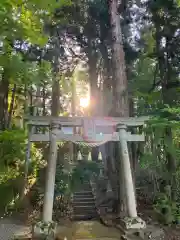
[96,130]
[89,130]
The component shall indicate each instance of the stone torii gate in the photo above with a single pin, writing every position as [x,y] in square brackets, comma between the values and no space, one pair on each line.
[93,131]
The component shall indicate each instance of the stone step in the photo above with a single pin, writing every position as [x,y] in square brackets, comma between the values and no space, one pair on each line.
[84,190]
[93,213]
[81,203]
[89,212]
[80,197]
[83,200]
[83,193]
[84,208]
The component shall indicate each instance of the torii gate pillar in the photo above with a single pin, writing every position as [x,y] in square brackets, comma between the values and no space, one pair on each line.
[125,171]
[50,177]
[132,223]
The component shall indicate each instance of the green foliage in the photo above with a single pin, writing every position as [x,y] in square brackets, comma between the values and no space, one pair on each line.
[62,193]
[25,19]
[143,73]
[13,144]
[167,210]
[22,28]
[158,144]
[62,181]
[83,172]
[12,153]
[150,74]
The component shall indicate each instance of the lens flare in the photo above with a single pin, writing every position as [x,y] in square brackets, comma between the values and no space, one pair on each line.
[84,102]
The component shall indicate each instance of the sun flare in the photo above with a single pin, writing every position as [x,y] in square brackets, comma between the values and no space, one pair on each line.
[84,102]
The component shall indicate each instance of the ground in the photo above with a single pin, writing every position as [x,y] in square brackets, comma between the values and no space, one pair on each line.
[10,227]
[89,229]
[66,230]
[146,212]
[84,230]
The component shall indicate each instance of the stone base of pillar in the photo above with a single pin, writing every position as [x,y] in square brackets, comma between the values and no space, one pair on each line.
[132,227]
[133,223]
[133,233]
[42,231]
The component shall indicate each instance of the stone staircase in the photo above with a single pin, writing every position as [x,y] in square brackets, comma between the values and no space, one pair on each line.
[83,204]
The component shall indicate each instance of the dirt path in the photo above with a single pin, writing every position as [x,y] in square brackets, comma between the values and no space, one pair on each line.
[87,230]
[69,231]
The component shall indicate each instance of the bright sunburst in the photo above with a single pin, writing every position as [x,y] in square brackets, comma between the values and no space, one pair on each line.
[84,102]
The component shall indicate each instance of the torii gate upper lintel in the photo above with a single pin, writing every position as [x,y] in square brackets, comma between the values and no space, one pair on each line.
[63,125]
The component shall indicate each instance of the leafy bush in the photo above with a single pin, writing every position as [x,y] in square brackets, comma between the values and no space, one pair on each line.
[82,172]
[62,193]
[13,145]
[12,154]
[62,183]
[168,211]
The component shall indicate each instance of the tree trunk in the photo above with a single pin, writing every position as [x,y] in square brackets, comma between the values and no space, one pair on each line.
[11,106]
[55,107]
[73,97]
[107,80]
[4,89]
[119,67]
[44,99]
[120,84]
[111,166]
